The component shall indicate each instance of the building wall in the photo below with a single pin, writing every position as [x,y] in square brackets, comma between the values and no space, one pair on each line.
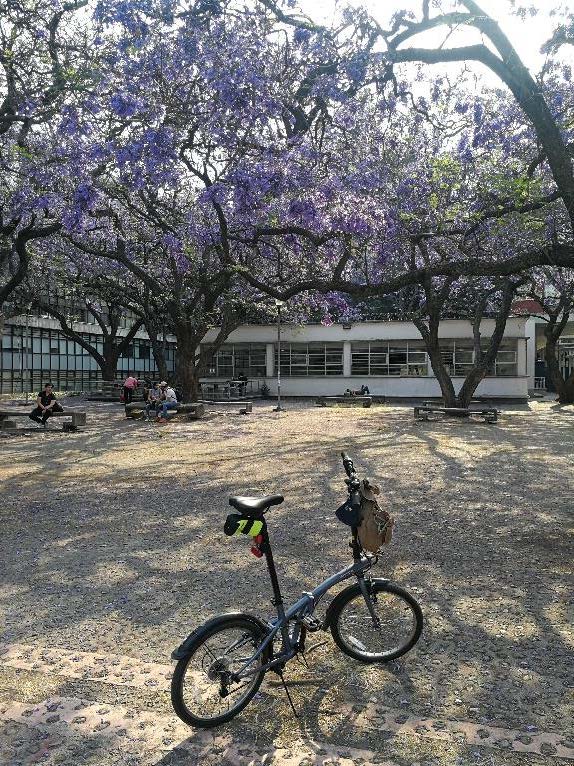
[515,386]
[34,351]
[512,388]
[392,330]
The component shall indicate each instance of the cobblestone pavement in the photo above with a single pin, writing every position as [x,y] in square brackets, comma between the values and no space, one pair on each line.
[145,731]
[111,542]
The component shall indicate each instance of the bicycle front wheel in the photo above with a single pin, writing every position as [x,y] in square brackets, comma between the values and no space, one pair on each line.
[203,692]
[378,631]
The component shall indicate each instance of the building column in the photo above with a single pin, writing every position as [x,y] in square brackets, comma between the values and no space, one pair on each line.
[530,330]
[269,360]
[347,358]
[522,358]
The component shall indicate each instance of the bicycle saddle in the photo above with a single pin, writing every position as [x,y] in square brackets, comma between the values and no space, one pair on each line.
[253,505]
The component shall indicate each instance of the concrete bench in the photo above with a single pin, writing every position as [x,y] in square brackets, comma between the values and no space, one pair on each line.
[423,411]
[193,410]
[78,418]
[366,401]
[245,409]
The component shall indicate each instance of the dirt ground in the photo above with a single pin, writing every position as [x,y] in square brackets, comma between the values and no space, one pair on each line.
[112,551]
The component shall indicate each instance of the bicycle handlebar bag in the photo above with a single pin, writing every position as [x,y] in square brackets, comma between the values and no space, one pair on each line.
[376,528]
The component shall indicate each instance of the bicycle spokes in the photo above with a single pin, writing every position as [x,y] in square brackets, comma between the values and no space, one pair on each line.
[376,624]
[210,684]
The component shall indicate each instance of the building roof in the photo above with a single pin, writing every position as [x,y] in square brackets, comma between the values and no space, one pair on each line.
[526,306]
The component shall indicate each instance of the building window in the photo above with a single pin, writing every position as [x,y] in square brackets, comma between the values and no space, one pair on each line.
[458,357]
[247,359]
[310,359]
[397,358]
[506,364]
[32,356]
[143,351]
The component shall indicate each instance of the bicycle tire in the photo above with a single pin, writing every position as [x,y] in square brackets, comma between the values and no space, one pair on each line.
[253,635]
[359,620]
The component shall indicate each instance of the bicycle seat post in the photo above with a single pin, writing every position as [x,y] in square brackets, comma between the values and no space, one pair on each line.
[277,599]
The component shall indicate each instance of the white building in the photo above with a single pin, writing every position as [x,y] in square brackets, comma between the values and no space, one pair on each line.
[389,357]
[536,367]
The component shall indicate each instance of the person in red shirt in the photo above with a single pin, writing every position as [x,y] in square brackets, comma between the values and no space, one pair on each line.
[130,385]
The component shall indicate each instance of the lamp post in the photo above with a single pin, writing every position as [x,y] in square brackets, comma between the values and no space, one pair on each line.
[24,359]
[278,305]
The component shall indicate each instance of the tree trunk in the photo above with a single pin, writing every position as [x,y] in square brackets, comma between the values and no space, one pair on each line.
[441,373]
[158,350]
[429,335]
[109,361]
[471,383]
[187,373]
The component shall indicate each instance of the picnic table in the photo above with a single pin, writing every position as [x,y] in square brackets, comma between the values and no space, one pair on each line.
[422,412]
[366,401]
[78,418]
[228,390]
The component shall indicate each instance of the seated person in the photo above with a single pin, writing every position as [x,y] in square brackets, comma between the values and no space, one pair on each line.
[46,405]
[147,386]
[365,391]
[169,401]
[153,399]
[241,381]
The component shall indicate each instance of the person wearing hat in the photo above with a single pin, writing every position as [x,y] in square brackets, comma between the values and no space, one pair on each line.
[169,401]
[153,399]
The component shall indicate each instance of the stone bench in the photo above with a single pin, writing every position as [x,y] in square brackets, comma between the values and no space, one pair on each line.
[422,412]
[78,418]
[366,401]
[246,408]
[193,410]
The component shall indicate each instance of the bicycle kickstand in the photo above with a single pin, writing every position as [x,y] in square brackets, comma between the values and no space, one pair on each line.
[280,674]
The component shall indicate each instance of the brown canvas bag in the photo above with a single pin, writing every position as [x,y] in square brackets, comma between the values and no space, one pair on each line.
[376,528]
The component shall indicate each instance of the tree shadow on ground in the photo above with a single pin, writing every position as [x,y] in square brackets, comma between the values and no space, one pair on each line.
[129,556]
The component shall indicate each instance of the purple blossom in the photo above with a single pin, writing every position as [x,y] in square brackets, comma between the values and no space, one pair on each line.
[84,196]
[478,113]
[125,105]
[304,210]
[302,36]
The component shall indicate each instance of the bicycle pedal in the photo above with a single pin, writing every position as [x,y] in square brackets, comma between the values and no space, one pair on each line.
[311,623]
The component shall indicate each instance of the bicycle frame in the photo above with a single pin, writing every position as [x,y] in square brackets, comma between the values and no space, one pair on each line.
[301,608]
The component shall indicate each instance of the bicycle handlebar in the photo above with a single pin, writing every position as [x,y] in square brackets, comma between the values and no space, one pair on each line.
[347,464]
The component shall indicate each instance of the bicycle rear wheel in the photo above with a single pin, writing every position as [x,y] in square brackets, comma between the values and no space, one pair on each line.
[393,628]
[203,692]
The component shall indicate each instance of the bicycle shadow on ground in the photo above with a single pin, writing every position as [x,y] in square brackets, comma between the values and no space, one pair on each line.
[323,717]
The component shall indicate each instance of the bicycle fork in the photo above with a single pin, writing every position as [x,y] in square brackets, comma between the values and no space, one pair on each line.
[368,601]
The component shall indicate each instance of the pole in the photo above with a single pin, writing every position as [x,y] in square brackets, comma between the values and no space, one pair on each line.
[26,333]
[278,359]
[22,340]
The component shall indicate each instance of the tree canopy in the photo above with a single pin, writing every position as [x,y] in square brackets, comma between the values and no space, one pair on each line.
[222,153]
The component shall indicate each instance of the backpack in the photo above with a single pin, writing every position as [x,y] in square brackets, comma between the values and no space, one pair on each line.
[376,527]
